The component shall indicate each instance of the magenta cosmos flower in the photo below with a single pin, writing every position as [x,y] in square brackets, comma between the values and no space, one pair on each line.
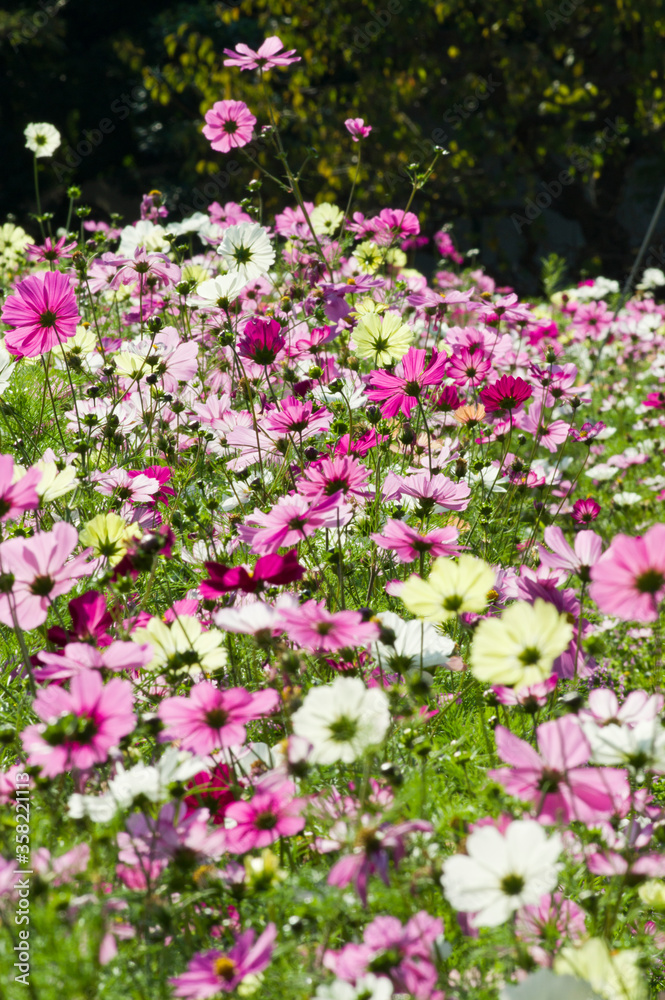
[271,813]
[313,627]
[467,368]
[272,568]
[629,579]
[36,570]
[209,718]
[585,511]
[229,124]
[261,341]
[357,128]
[507,393]
[266,57]
[557,779]
[52,250]
[43,313]
[292,519]
[330,475]
[212,972]
[78,726]
[402,390]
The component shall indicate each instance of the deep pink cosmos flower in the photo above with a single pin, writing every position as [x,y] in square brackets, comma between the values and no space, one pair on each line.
[293,416]
[315,628]
[211,791]
[78,726]
[209,718]
[409,544]
[402,390]
[229,124]
[52,249]
[392,224]
[556,780]
[507,393]
[465,368]
[272,812]
[656,400]
[37,570]
[268,55]
[17,497]
[90,619]
[357,128]
[448,400]
[274,569]
[162,474]
[213,972]
[585,511]
[629,579]
[43,312]
[261,341]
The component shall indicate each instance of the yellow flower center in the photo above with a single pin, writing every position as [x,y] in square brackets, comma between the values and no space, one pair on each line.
[225,968]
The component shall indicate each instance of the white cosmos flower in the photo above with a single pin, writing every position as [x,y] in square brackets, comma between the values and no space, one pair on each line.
[341,720]
[144,234]
[246,249]
[546,985]
[183,647]
[326,219]
[641,747]
[43,139]
[369,987]
[222,290]
[417,644]
[614,975]
[502,871]
[55,483]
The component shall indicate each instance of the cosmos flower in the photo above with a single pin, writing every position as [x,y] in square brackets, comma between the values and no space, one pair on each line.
[341,720]
[43,313]
[229,125]
[42,139]
[247,250]
[268,55]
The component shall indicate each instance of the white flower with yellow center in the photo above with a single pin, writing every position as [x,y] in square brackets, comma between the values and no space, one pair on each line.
[42,139]
[382,339]
[55,483]
[614,975]
[451,588]
[326,219]
[247,250]
[183,647]
[109,535]
[520,647]
[341,720]
[221,291]
[13,240]
[368,257]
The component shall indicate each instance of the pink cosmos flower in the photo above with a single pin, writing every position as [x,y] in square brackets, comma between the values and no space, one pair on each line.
[52,250]
[550,436]
[148,843]
[17,497]
[211,791]
[230,214]
[330,475]
[78,726]
[274,569]
[162,474]
[119,484]
[268,55]
[392,224]
[261,341]
[604,708]
[409,544]
[209,718]
[357,128]
[547,924]
[592,320]
[629,579]
[229,124]
[531,697]
[466,368]
[507,393]
[144,266]
[429,490]
[43,312]
[404,952]
[293,416]
[213,972]
[36,571]
[402,390]
[78,657]
[272,812]
[556,779]
[315,628]
[585,511]
[292,519]
[588,550]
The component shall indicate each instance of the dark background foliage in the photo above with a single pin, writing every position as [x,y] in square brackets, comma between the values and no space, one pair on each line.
[552,113]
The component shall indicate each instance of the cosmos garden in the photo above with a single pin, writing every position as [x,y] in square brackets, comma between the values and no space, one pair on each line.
[331,606]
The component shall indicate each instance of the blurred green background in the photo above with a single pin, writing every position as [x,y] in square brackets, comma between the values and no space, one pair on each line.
[552,112]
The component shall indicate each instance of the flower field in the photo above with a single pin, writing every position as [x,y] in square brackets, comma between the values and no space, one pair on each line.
[331,603]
